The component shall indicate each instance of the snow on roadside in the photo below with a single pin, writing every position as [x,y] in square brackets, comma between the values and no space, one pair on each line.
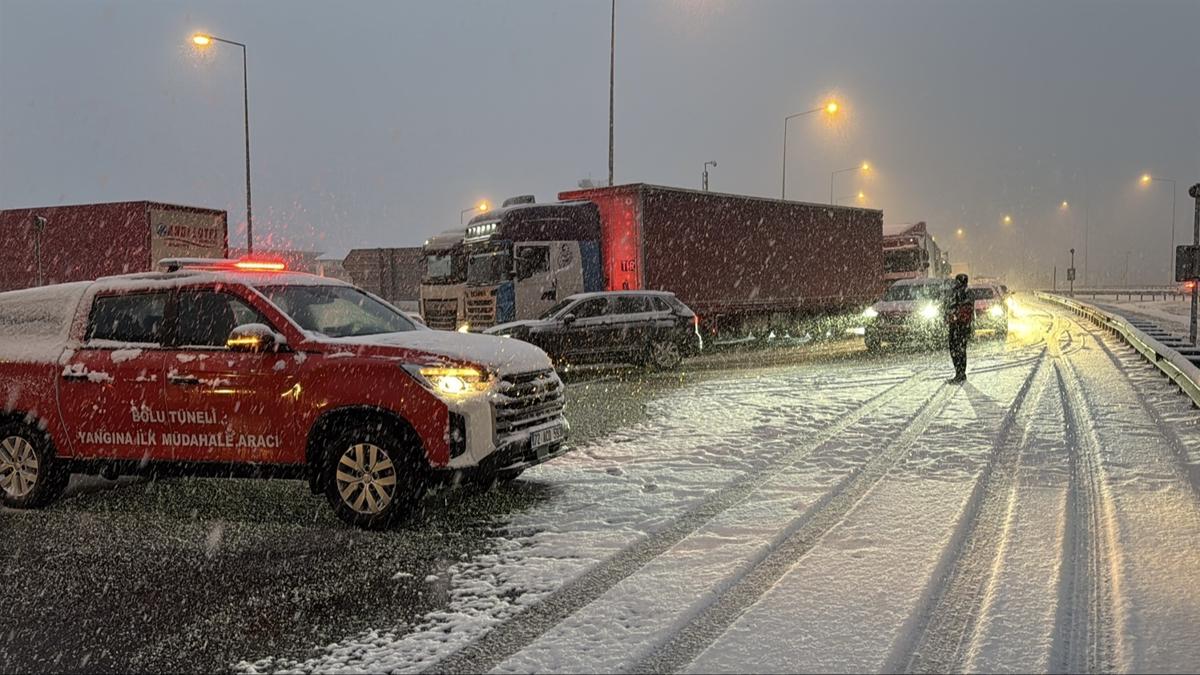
[614,492]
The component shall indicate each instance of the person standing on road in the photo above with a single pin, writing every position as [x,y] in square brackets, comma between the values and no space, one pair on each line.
[960,313]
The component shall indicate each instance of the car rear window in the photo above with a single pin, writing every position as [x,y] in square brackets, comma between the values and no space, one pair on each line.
[136,318]
[679,306]
[630,304]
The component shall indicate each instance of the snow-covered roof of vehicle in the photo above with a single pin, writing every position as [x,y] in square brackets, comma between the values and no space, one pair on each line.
[200,276]
[920,281]
[35,322]
[598,294]
[899,229]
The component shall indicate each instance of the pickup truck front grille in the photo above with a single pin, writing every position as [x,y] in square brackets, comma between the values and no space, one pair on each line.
[441,314]
[527,400]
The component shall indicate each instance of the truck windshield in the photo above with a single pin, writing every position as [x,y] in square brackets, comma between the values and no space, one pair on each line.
[903,260]
[488,268]
[336,311]
[439,268]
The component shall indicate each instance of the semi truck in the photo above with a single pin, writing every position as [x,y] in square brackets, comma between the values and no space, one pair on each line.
[58,244]
[744,264]
[910,252]
[444,283]
[393,274]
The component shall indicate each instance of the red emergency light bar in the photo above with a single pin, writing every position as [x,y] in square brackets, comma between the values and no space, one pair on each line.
[243,264]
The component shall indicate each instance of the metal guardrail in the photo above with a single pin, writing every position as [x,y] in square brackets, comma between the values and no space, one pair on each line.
[1153,293]
[1174,365]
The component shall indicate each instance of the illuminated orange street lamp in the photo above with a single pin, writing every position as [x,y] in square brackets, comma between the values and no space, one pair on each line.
[1147,179]
[830,108]
[1064,206]
[481,207]
[864,167]
[204,40]
[1007,219]
[960,233]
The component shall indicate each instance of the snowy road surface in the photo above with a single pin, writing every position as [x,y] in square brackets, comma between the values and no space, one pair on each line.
[818,511]
[852,517]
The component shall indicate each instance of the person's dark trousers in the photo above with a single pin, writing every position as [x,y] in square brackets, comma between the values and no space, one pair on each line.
[958,349]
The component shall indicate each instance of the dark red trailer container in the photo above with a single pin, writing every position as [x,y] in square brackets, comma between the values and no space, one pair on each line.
[738,256]
[57,244]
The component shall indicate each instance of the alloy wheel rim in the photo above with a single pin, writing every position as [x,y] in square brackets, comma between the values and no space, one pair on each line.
[366,479]
[19,467]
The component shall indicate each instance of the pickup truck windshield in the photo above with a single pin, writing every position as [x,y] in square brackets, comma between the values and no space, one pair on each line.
[336,311]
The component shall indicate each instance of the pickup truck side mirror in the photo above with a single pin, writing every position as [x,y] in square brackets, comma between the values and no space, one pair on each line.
[254,337]
[568,319]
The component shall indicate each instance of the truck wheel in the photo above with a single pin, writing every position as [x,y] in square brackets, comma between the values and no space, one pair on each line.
[370,478]
[664,355]
[30,475]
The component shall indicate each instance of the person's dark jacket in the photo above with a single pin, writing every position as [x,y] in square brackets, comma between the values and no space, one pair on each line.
[960,307]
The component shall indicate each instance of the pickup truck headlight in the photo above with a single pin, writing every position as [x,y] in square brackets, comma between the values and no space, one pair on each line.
[996,311]
[451,382]
[870,313]
[929,312]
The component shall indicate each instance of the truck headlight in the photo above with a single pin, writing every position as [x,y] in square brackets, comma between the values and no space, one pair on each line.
[996,311]
[870,313]
[929,311]
[451,382]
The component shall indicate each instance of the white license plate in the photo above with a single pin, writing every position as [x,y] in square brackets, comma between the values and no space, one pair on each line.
[546,436]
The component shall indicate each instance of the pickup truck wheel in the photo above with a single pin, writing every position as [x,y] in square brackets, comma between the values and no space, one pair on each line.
[665,355]
[368,479]
[30,474]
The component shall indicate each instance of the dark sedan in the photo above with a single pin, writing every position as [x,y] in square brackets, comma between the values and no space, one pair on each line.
[652,328]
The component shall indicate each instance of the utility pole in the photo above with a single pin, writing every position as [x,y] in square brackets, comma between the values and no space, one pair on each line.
[1194,192]
[612,61]
[1071,274]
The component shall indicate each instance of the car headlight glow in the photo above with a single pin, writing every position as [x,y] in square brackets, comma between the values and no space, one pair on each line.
[464,328]
[870,313]
[995,311]
[929,311]
[453,382]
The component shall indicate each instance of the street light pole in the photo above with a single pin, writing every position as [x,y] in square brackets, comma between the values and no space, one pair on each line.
[1147,179]
[203,40]
[830,108]
[612,61]
[704,178]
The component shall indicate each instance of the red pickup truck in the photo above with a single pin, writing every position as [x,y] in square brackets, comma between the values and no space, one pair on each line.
[235,368]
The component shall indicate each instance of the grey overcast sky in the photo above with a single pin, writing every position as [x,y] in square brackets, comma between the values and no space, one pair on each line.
[375,123]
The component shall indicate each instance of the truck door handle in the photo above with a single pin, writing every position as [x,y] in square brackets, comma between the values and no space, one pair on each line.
[75,377]
[183,380]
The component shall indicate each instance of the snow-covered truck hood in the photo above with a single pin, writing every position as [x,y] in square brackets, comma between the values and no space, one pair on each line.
[500,355]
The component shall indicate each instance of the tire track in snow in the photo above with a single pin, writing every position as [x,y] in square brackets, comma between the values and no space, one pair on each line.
[1133,362]
[705,628]
[1086,634]
[523,629]
[942,636]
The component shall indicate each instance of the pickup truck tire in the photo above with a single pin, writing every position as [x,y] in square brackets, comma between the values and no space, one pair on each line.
[371,478]
[664,354]
[30,474]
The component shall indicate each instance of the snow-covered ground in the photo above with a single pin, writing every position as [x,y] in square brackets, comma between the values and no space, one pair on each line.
[1173,314]
[853,518]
